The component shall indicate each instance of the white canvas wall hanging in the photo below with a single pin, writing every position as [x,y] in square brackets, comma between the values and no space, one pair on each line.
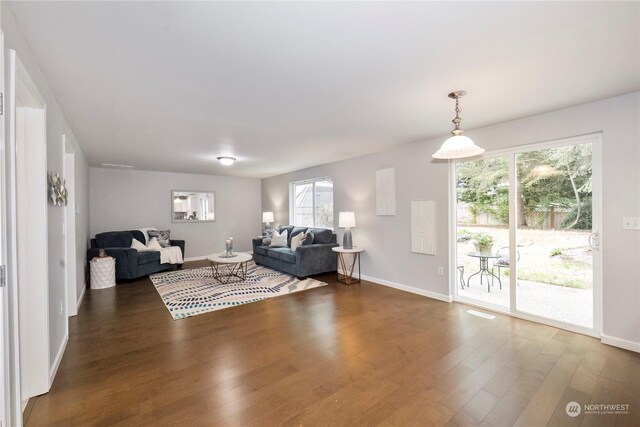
[386,191]
[423,227]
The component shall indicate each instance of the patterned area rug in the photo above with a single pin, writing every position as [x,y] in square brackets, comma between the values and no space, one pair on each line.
[194,291]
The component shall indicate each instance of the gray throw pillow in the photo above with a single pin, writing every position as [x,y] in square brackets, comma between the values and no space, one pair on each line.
[308,239]
[163,237]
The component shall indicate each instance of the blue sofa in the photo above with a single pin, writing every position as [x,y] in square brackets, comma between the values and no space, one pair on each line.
[314,258]
[130,264]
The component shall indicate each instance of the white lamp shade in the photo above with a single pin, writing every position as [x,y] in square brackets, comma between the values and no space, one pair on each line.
[346,220]
[458,147]
[267,217]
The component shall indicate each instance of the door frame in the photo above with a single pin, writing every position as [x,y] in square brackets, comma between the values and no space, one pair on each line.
[14,416]
[68,156]
[596,140]
[5,353]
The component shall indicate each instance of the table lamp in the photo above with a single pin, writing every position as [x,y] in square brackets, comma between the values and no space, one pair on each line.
[267,218]
[347,220]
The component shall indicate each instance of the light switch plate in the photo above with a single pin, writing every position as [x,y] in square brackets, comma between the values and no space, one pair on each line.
[631,223]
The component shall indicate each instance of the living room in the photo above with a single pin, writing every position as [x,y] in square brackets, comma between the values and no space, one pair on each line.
[299,147]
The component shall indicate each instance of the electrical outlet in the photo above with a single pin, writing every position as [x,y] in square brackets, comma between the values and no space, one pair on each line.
[61,307]
[440,270]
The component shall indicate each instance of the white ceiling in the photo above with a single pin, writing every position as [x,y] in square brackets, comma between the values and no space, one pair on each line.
[282,86]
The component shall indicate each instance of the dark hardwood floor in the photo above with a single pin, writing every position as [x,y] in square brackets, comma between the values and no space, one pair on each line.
[336,355]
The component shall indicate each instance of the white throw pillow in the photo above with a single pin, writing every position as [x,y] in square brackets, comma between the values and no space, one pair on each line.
[297,240]
[279,240]
[154,245]
[139,246]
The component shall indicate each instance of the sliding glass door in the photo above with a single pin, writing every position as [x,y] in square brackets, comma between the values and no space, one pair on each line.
[555,222]
[482,229]
[526,232]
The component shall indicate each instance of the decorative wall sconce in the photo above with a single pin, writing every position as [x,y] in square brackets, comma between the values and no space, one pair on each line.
[57,190]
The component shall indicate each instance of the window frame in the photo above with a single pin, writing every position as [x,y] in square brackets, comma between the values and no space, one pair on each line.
[292,200]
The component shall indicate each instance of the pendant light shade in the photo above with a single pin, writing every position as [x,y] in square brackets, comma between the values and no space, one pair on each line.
[457,146]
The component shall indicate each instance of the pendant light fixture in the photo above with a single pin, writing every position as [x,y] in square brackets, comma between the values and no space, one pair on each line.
[457,146]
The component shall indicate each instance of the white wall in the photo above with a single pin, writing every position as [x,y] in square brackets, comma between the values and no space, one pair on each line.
[131,199]
[387,239]
[57,126]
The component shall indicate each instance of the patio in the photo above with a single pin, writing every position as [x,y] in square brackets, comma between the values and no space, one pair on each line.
[568,305]
[555,274]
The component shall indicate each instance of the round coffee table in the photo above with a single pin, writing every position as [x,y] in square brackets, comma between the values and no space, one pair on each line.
[233,269]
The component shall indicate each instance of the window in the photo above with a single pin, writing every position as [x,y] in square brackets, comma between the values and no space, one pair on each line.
[312,203]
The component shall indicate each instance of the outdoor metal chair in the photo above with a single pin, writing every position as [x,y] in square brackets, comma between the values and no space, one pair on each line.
[502,262]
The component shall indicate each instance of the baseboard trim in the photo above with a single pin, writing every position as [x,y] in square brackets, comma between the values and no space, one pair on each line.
[195,258]
[80,299]
[424,293]
[56,363]
[619,342]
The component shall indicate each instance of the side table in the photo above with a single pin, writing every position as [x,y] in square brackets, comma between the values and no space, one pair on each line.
[347,273]
[103,272]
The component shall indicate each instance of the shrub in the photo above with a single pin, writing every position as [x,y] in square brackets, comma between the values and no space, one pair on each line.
[556,252]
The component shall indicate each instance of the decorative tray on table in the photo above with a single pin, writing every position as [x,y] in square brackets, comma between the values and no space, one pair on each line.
[226,255]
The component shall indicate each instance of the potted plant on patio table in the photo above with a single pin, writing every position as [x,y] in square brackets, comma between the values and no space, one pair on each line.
[483,242]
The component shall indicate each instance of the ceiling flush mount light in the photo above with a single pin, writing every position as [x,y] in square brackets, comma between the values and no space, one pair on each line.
[226,160]
[457,146]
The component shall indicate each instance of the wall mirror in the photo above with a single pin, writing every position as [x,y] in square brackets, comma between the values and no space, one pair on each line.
[192,206]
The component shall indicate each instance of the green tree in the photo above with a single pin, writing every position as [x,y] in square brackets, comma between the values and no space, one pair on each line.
[545,178]
[483,184]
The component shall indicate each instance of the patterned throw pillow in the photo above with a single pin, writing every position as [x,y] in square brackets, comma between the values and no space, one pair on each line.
[161,235]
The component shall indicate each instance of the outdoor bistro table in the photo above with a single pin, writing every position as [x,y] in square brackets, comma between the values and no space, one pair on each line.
[484,267]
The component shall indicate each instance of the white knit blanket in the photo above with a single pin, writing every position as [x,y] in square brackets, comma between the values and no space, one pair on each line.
[171,255]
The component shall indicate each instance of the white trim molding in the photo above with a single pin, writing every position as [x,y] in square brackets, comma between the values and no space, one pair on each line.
[619,342]
[195,258]
[406,288]
[56,363]
[80,298]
